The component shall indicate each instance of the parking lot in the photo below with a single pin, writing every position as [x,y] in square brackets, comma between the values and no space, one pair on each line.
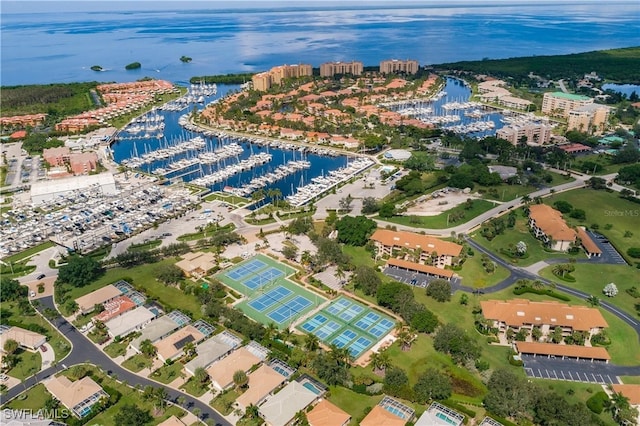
[572,370]
[609,254]
[417,279]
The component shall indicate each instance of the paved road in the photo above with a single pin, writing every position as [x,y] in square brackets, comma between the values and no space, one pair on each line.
[84,351]
[576,370]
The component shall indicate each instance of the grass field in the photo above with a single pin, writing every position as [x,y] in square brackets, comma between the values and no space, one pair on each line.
[603,160]
[143,278]
[352,402]
[474,275]
[442,220]
[28,252]
[35,399]
[506,192]
[604,208]
[137,363]
[167,373]
[228,198]
[29,363]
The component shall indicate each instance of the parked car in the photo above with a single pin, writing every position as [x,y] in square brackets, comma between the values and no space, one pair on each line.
[41,276]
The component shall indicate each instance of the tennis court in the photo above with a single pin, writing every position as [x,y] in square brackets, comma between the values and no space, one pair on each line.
[347,323]
[271,297]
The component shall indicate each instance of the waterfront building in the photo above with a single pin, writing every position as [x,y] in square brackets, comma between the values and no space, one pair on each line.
[590,118]
[78,396]
[423,248]
[264,80]
[518,314]
[494,91]
[548,225]
[535,133]
[22,121]
[329,69]
[559,104]
[394,66]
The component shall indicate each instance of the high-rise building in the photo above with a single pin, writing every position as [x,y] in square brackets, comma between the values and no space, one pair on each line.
[329,69]
[261,81]
[559,104]
[591,118]
[535,133]
[264,80]
[393,66]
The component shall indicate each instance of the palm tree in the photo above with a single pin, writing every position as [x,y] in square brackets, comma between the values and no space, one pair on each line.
[340,274]
[593,301]
[160,396]
[526,199]
[148,349]
[616,404]
[252,411]
[181,400]
[380,362]
[560,269]
[311,343]
[406,337]
[341,355]
[271,331]
[189,349]
[240,378]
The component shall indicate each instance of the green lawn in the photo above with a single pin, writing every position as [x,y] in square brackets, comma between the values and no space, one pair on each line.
[115,349]
[506,192]
[520,232]
[35,399]
[143,278]
[29,364]
[167,373]
[474,275]
[28,252]
[359,256]
[591,278]
[352,402]
[630,380]
[604,208]
[137,363]
[442,220]
[603,160]
[231,199]
[223,403]
[193,388]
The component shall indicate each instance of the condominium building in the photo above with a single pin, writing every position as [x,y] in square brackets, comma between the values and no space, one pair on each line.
[548,225]
[420,248]
[590,118]
[393,66]
[535,133]
[263,81]
[559,103]
[520,314]
[329,69]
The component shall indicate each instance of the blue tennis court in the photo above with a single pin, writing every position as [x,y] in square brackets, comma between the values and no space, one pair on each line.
[327,330]
[270,298]
[351,312]
[367,321]
[344,338]
[290,309]
[263,278]
[246,269]
[314,323]
[381,328]
[359,346]
[338,306]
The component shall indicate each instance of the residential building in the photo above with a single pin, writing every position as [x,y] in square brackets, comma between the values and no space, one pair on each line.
[160,328]
[589,246]
[57,156]
[446,274]
[81,163]
[129,322]
[212,350]
[548,225]
[329,69]
[88,302]
[590,118]
[282,407]
[533,133]
[630,391]
[588,353]
[78,396]
[22,121]
[26,338]
[114,308]
[439,415]
[558,104]
[520,314]
[395,66]
[420,248]
[171,346]
[221,372]
[197,264]
[325,413]
[262,382]
[494,91]
[263,81]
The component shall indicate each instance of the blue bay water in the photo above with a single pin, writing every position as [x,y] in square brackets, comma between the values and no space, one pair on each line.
[62,45]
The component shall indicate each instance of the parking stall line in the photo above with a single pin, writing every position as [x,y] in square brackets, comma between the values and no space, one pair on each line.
[563,377]
[570,375]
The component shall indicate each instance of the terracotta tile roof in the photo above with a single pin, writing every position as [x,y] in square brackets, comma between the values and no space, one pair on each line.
[71,393]
[420,267]
[562,350]
[518,312]
[327,414]
[630,391]
[104,294]
[587,242]
[261,383]
[379,416]
[412,240]
[222,371]
[550,221]
[115,307]
[167,348]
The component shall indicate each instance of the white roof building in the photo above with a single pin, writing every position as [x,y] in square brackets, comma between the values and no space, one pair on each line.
[129,322]
[48,190]
[212,350]
[283,406]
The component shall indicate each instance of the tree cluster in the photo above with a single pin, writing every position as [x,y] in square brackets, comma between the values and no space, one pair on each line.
[79,271]
[452,340]
[355,231]
[400,299]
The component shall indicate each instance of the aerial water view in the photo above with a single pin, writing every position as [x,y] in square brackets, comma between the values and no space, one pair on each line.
[320,213]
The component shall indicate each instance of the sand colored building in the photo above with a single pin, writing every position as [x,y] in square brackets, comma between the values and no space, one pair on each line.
[280,409]
[329,69]
[548,225]
[263,81]
[589,353]
[559,104]
[103,295]
[325,413]
[221,372]
[26,338]
[171,347]
[197,264]
[535,133]
[520,314]
[78,396]
[590,118]
[393,66]
[261,383]
[423,247]
[494,91]
[129,322]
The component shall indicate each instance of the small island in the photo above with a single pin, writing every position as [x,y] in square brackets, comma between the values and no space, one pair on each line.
[133,66]
[185,59]
[96,68]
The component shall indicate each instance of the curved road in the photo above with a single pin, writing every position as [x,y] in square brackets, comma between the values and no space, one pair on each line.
[84,351]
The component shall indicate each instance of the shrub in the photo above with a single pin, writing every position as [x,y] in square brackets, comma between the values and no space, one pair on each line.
[597,401]
[634,252]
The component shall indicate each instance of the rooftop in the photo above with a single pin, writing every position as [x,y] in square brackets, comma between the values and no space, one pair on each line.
[630,391]
[588,244]
[129,321]
[518,312]
[222,371]
[550,221]
[570,96]
[380,416]
[325,413]
[261,383]
[27,338]
[104,294]
[413,240]
[172,345]
[71,393]
[283,406]
[428,269]
[576,351]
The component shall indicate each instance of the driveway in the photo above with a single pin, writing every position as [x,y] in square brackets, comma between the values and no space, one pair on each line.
[576,370]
